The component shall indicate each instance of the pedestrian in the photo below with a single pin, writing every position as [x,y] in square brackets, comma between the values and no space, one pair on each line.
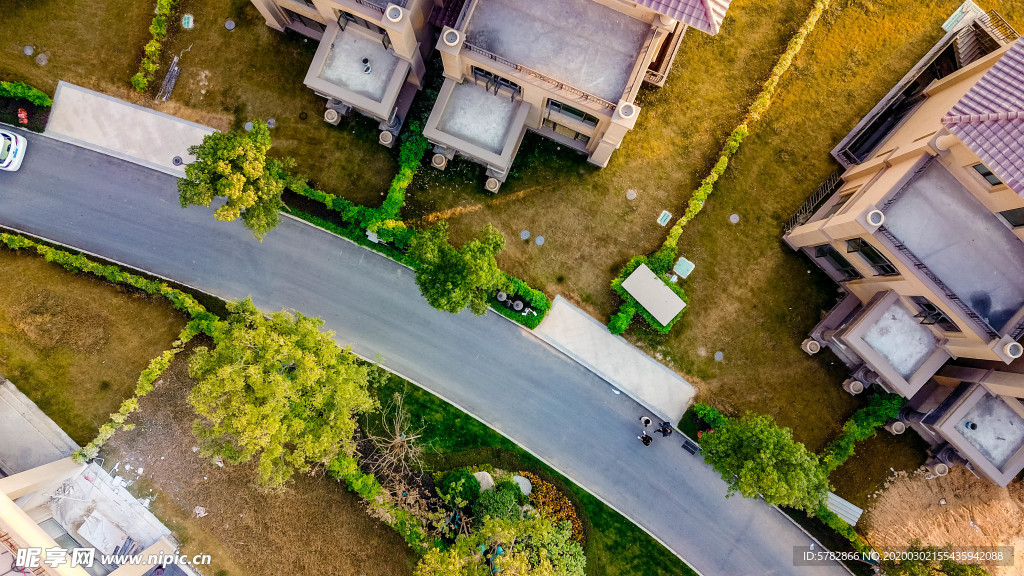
[645,438]
[665,429]
[645,421]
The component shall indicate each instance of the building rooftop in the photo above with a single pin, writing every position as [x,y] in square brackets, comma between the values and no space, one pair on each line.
[994,429]
[582,43]
[344,64]
[967,247]
[479,117]
[989,119]
[901,340]
[704,15]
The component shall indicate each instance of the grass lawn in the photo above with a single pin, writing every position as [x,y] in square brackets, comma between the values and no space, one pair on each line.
[73,344]
[614,547]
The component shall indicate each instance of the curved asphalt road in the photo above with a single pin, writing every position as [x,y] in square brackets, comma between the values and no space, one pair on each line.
[488,366]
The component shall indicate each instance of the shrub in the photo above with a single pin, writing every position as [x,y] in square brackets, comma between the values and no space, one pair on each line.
[864,423]
[22,91]
[152,49]
[836,523]
[554,505]
[630,302]
[709,414]
[158,29]
[534,298]
[150,62]
[459,488]
[621,319]
[501,502]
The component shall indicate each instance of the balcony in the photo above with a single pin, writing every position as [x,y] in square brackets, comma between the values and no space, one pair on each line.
[353,65]
[578,46]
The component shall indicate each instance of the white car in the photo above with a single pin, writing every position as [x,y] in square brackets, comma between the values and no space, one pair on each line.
[12,150]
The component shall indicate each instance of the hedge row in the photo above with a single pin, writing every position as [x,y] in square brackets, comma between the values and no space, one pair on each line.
[882,407]
[620,320]
[385,221]
[22,91]
[668,250]
[366,486]
[536,299]
[201,321]
[151,53]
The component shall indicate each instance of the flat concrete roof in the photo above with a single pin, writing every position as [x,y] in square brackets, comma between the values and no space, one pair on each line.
[30,438]
[579,336]
[653,294]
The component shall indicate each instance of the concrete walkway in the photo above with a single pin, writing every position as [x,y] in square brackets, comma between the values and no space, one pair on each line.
[582,338]
[122,129]
[29,437]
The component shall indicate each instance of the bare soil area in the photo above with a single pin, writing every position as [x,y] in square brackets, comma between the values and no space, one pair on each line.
[314,526]
[958,509]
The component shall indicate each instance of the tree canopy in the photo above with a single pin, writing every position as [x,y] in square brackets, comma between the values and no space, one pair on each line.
[235,165]
[533,546]
[277,389]
[452,279]
[755,456]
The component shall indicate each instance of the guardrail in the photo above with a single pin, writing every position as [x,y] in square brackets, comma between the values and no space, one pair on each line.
[531,72]
[996,20]
[375,7]
[814,201]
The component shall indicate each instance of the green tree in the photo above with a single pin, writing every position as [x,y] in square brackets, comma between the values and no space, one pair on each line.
[532,546]
[277,389]
[452,279]
[755,456]
[235,165]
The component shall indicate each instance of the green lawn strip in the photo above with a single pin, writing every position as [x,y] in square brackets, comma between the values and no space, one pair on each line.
[614,545]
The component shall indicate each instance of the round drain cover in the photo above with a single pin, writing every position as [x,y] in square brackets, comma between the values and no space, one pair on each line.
[177,161]
[230,24]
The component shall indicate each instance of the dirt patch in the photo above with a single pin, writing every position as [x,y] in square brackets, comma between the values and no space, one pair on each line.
[975,512]
[49,321]
[312,523]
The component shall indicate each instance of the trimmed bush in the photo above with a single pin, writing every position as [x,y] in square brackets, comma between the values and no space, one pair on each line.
[501,502]
[620,320]
[554,505]
[22,91]
[459,486]
[628,302]
[712,416]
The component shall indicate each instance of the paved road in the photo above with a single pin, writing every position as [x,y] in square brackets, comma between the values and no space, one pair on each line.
[487,366]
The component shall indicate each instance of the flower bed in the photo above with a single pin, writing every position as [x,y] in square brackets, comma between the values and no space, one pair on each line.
[18,97]
[553,504]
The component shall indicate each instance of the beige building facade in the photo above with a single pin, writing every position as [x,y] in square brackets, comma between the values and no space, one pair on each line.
[569,70]
[924,235]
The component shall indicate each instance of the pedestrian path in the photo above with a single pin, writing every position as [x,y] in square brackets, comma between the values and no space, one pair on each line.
[577,335]
[122,129]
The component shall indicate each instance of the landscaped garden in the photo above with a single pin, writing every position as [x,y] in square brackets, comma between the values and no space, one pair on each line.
[252,403]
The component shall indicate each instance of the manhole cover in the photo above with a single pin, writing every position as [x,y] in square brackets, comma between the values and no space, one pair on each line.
[539,240]
[248,126]
[303,115]
[719,356]
[187,22]
[630,194]
[271,123]
[525,234]
[42,59]
[177,161]
[230,24]
[734,218]
[29,50]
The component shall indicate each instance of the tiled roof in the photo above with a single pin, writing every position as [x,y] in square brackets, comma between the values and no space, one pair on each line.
[704,15]
[989,119]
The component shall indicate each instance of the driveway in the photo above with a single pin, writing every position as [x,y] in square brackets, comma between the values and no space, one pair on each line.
[487,366]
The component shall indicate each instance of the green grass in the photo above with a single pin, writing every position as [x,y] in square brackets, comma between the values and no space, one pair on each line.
[615,546]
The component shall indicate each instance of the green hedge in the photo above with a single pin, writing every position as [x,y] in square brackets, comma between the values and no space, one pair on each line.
[621,319]
[833,521]
[664,256]
[709,414]
[882,407]
[22,91]
[165,14]
[536,299]
[414,532]
[201,321]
